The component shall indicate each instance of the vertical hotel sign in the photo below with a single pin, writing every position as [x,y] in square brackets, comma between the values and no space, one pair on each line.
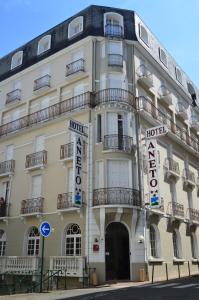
[78,128]
[153,163]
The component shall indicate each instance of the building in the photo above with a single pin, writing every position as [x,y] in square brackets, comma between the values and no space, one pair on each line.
[104,68]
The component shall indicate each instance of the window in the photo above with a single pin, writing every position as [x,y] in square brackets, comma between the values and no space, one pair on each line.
[176,244]
[144,35]
[33,242]
[5,190]
[44,44]
[163,57]
[115,48]
[39,143]
[178,75]
[153,242]
[75,27]
[113,24]
[17,59]
[114,171]
[73,240]
[99,128]
[9,152]
[194,246]
[2,242]
[36,186]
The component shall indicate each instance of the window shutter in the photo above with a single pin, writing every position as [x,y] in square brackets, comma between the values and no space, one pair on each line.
[39,143]
[9,152]
[36,186]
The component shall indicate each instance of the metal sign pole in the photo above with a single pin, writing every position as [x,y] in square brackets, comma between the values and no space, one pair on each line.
[42,264]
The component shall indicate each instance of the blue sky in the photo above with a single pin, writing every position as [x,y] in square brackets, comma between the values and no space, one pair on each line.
[174,22]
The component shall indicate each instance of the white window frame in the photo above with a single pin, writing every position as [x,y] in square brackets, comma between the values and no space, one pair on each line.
[79,21]
[32,241]
[2,242]
[72,240]
[143,30]
[156,239]
[44,40]
[17,59]
[163,59]
[115,16]
[177,246]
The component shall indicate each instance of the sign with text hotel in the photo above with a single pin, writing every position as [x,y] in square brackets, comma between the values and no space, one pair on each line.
[156,131]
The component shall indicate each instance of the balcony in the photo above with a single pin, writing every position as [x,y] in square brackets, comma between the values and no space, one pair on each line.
[75,67]
[33,206]
[48,114]
[67,150]
[21,265]
[72,266]
[194,123]
[7,168]
[117,196]
[42,84]
[172,170]
[189,180]
[194,215]
[13,96]
[114,31]
[176,209]
[145,76]
[118,143]
[181,111]
[165,95]
[115,60]
[114,95]
[36,160]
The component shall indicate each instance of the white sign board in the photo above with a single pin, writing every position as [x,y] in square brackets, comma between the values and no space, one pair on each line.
[156,131]
[76,127]
[153,173]
[77,170]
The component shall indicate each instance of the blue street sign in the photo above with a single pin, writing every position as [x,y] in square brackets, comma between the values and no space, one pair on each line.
[45,229]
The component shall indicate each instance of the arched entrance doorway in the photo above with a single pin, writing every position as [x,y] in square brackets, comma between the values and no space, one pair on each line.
[117,252]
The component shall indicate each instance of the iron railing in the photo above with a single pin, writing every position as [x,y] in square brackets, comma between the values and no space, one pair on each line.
[75,66]
[114,95]
[47,114]
[194,214]
[117,142]
[66,151]
[41,82]
[114,30]
[189,175]
[181,133]
[115,60]
[172,165]
[13,96]
[116,196]
[33,205]
[36,159]
[64,200]
[176,209]
[7,166]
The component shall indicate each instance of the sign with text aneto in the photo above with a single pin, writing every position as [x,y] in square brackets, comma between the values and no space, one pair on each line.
[77,170]
[153,173]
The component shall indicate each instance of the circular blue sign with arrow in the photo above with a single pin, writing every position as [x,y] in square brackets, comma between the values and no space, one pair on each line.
[45,229]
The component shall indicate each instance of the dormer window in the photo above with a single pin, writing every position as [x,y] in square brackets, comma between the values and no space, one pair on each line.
[178,75]
[17,59]
[144,34]
[75,27]
[163,57]
[113,25]
[44,44]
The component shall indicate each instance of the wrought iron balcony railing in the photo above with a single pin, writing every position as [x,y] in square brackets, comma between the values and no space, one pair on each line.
[114,30]
[172,165]
[47,114]
[75,66]
[194,214]
[117,142]
[116,196]
[115,60]
[144,75]
[176,209]
[66,151]
[64,200]
[13,96]
[114,95]
[7,167]
[32,206]
[36,159]
[42,82]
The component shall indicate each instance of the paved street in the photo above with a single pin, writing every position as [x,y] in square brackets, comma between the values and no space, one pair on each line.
[173,290]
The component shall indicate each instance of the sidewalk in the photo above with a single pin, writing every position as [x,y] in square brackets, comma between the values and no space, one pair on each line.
[61,294]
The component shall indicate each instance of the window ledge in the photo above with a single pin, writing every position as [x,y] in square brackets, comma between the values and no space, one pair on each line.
[180,260]
[156,259]
[195,260]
